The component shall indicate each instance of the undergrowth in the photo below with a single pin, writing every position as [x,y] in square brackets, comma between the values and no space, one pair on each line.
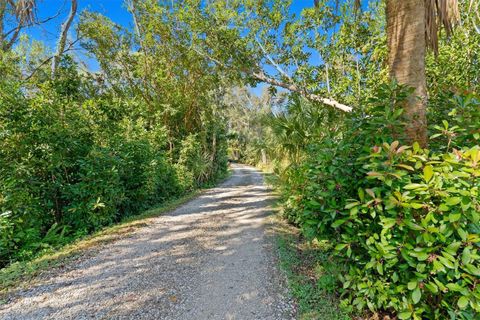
[311,274]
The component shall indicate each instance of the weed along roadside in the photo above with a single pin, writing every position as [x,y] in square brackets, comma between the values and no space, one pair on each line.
[308,265]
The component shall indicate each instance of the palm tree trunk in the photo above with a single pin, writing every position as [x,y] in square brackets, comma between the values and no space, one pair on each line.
[406,58]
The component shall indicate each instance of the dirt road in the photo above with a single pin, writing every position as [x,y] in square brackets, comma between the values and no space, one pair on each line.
[209,259]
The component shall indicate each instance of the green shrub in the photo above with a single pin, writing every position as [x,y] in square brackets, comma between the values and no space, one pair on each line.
[411,237]
[318,187]
[192,165]
[92,201]
[461,126]
[329,173]
[403,220]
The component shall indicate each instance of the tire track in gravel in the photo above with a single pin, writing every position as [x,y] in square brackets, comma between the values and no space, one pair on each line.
[209,259]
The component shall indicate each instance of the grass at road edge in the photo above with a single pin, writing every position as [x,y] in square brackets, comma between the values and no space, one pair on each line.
[22,272]
[310,269]
[310,273]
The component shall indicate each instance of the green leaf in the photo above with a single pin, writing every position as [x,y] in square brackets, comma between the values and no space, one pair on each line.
[466,256]
[404,166]
[352,204]
[453,201]
[438,267]
[421,267]
[454,217]
[454,287]
[349,251]
[447,263]
[428,173]
[462,302]
[380,268]
[440,285]
[412,285]
[404,315]
[338,223]
[462,233]
[416,295]
[421,256]
[314,203]
[361,194]
[416,205]
[472,269]
[413,225]
[416,147]
[443,207]
[453,247]
[413,186]
[388,222]
[432,287]
[395,277]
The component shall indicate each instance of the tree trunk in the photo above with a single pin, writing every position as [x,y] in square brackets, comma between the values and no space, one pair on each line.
[264,157]
[406,58]
[3,7]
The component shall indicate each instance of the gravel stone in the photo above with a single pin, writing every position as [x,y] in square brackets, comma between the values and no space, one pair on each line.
[211,258]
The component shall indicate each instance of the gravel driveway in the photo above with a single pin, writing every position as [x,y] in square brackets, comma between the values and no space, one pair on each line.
[209,259]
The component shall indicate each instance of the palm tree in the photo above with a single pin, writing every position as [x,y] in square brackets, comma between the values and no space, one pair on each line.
[412,25]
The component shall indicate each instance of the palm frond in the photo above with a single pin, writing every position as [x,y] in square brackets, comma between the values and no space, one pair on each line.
[440,14]
[474,13]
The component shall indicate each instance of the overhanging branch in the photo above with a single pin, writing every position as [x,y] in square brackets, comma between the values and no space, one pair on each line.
[294,88]
[261,76]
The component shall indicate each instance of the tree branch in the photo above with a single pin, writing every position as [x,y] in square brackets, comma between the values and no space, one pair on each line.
[270,59]
[294,88]
[261,76]
[34,23]
[14,37]
[62,41]
[44,62]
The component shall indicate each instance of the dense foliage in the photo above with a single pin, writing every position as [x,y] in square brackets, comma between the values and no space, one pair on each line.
[413,233]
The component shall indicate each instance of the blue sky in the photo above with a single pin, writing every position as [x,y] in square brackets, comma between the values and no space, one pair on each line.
[48,32]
